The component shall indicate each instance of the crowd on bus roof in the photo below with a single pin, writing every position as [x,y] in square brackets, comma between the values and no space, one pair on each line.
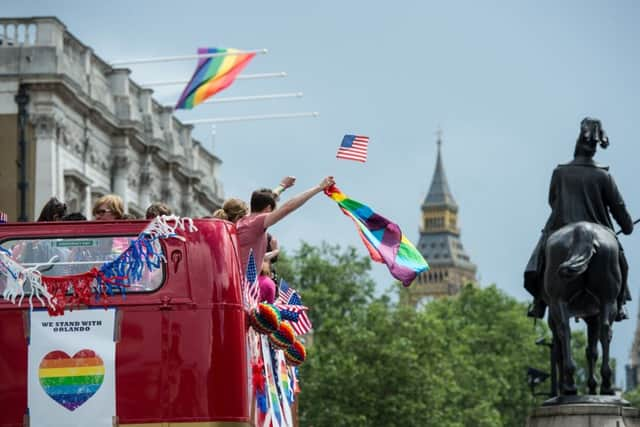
[252,222]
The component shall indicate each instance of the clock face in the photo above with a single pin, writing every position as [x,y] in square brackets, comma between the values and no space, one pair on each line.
[422,302]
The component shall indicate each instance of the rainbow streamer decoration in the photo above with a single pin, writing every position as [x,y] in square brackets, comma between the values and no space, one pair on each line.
[212,75]
[287,391]
[71,381]
[272,388]
[384,239]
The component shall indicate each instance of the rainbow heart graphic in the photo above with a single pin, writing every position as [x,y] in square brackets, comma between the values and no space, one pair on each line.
[71,381]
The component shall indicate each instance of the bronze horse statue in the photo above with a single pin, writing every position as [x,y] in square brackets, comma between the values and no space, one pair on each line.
[582,278]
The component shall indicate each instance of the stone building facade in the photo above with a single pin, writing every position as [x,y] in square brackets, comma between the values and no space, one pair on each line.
[91,130]
[440,244]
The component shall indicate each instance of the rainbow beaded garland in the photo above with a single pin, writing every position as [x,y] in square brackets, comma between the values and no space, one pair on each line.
[265,318]
[295,353]
[283,337]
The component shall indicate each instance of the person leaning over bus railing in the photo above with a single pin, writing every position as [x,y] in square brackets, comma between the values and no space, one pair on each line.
[233,209]
[273,249]
[252,228]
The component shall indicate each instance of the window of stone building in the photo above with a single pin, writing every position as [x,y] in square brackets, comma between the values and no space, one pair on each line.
[74,194]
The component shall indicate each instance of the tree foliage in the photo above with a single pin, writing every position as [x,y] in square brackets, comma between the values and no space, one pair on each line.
[332,281]
[633,396]
[457,362]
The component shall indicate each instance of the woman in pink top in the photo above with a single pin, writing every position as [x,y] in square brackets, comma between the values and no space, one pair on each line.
[266,284]
[252,228]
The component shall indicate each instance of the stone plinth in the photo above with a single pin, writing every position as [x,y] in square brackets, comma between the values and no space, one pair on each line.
[585,415]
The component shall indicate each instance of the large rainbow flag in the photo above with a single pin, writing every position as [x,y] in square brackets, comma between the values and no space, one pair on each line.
[383,238]
[212,75]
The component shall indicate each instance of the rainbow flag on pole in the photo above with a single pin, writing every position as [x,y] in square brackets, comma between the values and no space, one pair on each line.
[212,75]
[383,238]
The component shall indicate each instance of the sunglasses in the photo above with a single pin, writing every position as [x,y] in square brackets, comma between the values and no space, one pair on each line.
[103,211]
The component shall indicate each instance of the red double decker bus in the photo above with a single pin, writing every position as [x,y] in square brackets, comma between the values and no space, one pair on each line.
[180,333]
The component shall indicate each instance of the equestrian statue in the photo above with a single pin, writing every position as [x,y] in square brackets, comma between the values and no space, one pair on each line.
[578,268]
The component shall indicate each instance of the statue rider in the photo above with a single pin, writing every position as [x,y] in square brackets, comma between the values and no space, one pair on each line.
[581,190]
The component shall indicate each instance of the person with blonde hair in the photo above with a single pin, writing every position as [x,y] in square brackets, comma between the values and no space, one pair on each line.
[232,210]
[108,208]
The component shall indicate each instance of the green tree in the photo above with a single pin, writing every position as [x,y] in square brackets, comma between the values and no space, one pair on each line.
[458,362]
[633,396]
[332,281]
[494,343]
[382,366]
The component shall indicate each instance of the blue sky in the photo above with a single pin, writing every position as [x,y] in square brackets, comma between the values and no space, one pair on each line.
[508,82]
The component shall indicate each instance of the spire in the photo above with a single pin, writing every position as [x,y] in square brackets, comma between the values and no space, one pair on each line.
[439,193]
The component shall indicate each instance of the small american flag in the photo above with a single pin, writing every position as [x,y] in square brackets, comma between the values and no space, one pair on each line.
[353,147]
[251,285]
[289,297]
[292,307]
[285,292]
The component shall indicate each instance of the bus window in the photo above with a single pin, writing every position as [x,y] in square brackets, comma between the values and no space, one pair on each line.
[66,256]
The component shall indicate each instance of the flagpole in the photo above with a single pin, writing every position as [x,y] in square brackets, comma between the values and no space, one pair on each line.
[184,57]
[253,98]
[240,77]
[213,137]
[248,118]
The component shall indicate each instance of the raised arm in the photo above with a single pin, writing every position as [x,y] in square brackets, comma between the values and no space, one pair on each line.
[286,182]
[295,202]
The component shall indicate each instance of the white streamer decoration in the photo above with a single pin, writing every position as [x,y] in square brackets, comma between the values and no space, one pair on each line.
[17,276]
